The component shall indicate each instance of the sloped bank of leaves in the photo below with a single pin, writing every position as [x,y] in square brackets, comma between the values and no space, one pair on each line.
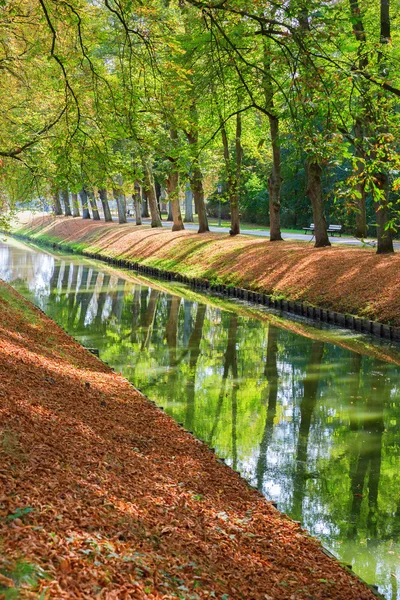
[103,495]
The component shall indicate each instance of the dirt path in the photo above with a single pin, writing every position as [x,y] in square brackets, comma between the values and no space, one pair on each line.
[348,280]
[103,495]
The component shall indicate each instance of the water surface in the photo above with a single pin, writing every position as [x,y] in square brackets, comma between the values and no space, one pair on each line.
[313,425]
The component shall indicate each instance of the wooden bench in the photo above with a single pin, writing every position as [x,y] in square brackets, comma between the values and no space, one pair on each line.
[332,229]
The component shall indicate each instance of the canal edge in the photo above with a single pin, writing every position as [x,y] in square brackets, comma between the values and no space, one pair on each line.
[291,307]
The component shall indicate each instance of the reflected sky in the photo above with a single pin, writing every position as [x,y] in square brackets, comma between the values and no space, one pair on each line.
[314,426]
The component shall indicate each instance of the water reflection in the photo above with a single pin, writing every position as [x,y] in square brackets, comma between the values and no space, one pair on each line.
[312,425]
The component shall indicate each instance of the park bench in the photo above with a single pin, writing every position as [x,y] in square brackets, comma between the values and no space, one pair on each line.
[310,229]
[332,229]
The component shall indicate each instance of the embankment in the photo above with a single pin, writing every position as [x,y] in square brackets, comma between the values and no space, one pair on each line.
[352,281]
[102,494]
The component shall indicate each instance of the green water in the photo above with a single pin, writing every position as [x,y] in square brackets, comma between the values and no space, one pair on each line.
[312,424]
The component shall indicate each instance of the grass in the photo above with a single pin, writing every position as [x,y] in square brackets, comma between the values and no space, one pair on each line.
[18,305]
[18,577]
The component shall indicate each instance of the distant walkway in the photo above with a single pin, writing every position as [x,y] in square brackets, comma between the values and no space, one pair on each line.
[348,240]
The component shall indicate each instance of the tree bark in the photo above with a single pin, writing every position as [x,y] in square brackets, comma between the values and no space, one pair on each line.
[172,185]
[188,204]
[274,184]
[196,176]
[137,204]
[57,205]
[173,195]
[120,200]
[65,200]
[361,214]
[196,183]
[145,204]
[93,204]
[313,168]
[385,237]
[75,205]
[236,174]
[275,179]
[157,188]
[151,194]
[360,123]
[232,171]
[84,200]
[105,204]
[170,215]
[314,191]
[192,135]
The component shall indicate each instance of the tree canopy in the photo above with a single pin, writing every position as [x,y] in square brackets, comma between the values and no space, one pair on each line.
[290,107]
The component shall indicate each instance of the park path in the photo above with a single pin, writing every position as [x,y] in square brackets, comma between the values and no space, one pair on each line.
[347,240]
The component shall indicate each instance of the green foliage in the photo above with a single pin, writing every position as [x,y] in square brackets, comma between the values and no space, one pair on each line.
[22,576]
[92,90]
[19,513]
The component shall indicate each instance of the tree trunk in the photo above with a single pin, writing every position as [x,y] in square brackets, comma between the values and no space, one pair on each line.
[172,185]
[314,191]
[233,171]
[75,205]
[137,204]
[385,239]
[57,205]
[170,215]
[196,176]
[157,188]
[145,204]
[274,183]
[360,123]
[120,200]
[84,200]
[313,169]
[151,194]
[235,216]
[105,204]
[361,214]
[67,206]
[93,204]
[173,194]
[188,204]
[196,182]
[275,179]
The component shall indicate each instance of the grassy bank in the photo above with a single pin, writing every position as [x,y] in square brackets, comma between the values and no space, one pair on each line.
[104,495]
[345,279]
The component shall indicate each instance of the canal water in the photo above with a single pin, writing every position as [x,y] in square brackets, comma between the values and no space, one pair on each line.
[312,424]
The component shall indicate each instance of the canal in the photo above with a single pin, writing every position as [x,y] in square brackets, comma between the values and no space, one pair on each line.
[308,415]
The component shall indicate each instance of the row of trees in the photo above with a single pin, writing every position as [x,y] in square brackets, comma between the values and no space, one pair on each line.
[121,95]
